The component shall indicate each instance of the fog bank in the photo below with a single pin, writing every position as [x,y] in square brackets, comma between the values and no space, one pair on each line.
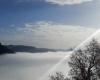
[28,66]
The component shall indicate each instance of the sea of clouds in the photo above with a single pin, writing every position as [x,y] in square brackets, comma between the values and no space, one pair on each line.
[31,66]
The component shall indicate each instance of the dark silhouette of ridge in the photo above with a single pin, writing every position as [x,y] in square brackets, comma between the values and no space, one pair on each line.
[5,50]
[22,48]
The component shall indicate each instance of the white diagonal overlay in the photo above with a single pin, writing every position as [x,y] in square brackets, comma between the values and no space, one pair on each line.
[58,65]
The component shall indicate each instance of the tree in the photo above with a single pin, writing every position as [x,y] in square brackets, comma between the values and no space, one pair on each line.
[58,76]
[85,62]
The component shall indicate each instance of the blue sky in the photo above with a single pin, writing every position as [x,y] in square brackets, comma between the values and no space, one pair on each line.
[16,15]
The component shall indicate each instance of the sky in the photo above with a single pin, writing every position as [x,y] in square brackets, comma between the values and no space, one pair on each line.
[57,24]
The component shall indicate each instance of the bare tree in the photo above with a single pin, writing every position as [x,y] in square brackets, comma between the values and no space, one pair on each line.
[85,62]
[58,76]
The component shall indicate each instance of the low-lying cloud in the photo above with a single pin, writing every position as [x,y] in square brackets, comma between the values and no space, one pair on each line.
[27,66]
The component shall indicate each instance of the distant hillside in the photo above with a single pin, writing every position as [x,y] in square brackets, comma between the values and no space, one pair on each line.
[22,48]
[5,49]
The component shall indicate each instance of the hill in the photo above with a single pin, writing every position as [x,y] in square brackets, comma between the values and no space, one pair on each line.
[5,49]
[22,48]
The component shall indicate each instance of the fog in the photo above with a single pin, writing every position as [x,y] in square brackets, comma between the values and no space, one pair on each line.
[29,66]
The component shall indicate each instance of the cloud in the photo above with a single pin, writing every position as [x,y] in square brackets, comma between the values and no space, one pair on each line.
[51,35]
[67,2]
[27,66]
[58,2]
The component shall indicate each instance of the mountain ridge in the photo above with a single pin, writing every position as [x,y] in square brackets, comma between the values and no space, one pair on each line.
[4,49]
[32,49]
